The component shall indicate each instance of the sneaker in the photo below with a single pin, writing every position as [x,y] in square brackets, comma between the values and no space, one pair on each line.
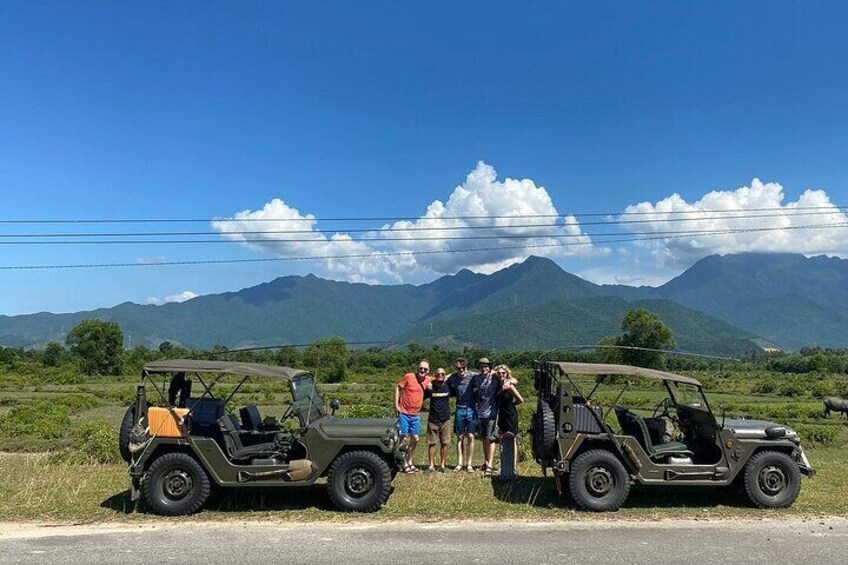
[469,468]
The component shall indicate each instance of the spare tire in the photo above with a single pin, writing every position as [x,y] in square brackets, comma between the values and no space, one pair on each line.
[124,433]
[544,431]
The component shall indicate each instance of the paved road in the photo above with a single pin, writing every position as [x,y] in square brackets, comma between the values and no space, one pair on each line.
[761,541]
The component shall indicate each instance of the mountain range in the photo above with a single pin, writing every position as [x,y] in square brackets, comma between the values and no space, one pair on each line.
[722,304]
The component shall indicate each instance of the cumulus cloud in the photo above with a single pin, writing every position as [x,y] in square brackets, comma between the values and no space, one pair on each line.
[500,221]
[180,297]
[720,211]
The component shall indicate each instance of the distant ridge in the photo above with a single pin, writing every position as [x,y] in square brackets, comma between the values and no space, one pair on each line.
[722,304]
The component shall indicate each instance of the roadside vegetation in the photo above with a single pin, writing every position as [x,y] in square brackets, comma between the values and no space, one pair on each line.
[59,418]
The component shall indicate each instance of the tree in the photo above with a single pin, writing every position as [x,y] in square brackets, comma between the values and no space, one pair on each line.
[288,357]
[166,347]
[98,345]
[645,330]
[328,358]
[53,354]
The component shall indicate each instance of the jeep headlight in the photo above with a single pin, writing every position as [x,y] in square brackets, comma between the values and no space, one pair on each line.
[390,440]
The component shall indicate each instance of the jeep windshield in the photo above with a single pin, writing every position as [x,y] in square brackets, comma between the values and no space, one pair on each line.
[308,404]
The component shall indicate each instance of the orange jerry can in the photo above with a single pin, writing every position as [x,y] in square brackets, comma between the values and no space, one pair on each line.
[165,422]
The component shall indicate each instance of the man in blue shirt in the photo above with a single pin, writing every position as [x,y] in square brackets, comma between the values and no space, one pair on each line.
[461,385]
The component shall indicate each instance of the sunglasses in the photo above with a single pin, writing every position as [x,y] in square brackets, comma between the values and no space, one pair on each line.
[423,370]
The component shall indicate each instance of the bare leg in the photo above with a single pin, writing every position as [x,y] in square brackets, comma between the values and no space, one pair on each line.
[431,455]
[469,452]
[410,454]
[444,455]
[459,439]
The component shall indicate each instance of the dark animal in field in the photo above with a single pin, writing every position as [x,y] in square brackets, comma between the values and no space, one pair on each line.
[833,404]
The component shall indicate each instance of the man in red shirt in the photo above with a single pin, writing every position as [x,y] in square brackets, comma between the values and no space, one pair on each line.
[409,398]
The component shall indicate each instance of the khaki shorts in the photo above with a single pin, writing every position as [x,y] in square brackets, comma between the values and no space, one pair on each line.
[439,433]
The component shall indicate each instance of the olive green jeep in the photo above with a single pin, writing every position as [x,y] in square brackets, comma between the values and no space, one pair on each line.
[181,447]
[596,452]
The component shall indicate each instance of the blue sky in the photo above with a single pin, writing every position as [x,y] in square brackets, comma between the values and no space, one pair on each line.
[203,110]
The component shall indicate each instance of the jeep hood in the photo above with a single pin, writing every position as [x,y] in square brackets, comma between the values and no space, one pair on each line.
[357,427]
[756,429]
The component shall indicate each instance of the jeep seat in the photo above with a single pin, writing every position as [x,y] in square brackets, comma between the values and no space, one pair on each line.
[236,449]
[633,424]
[250,417]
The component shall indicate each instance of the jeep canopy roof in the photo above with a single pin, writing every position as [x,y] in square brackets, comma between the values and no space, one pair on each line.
[604,369]
[202,366]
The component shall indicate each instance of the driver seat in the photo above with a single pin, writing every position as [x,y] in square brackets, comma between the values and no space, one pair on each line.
[633,424]
[236,449]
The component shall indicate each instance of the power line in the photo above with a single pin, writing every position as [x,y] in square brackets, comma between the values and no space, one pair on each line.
[435,239]
[394,218]
[371,255]
[739,216]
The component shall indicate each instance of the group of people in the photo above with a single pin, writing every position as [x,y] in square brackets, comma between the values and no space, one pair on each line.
[485,405]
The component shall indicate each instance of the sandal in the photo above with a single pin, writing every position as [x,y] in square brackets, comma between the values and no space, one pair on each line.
[410,469]
[458,469]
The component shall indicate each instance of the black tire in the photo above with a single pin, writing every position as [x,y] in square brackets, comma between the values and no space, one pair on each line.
[772,480]
[175,485]
[598,481]
[544,431]
[124,433]
[359,481]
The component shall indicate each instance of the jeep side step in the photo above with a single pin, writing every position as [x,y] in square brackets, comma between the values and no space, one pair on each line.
[296,470]
[719,474]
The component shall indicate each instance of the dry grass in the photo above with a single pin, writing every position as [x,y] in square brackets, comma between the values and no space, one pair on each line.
[31,489]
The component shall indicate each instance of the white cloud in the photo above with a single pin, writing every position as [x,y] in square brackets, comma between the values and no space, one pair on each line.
[482,200]
[711,213]
[180,297]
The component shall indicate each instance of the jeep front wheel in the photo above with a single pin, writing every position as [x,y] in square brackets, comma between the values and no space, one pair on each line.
[359,481]
[598,481]
[175,484]
[772,480]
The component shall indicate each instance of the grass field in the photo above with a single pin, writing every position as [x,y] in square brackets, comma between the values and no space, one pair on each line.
[39,486]
[33,489]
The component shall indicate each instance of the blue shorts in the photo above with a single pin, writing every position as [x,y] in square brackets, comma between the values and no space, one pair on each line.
[465,421]
[409,425]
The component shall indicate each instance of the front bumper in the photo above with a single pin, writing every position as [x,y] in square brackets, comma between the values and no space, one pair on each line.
[804,463]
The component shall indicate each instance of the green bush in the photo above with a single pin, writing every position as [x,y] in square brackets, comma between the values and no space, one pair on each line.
[94,443]
[366,411]
[75,402]
[41,419]
[818,434]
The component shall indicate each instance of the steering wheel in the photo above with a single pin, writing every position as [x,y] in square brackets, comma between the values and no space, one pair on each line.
[662,410]
[287,414]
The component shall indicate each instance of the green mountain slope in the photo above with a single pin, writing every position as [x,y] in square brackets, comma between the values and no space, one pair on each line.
[582,321]
[541,303]
[790,299]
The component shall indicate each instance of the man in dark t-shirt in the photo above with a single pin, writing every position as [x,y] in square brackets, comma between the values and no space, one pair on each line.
[438,420]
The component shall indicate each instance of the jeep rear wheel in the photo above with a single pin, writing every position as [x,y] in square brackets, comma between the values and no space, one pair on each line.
[359,481]
[175,484]
[598,481]
[772,480]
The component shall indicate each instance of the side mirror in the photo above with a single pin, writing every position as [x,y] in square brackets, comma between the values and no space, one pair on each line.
[334,405]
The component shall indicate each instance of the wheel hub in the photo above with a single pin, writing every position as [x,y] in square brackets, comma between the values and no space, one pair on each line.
[599,481]
[177,484]
[772,480]
[358,481]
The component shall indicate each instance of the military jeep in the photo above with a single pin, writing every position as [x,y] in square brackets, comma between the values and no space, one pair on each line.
[180,447]
[596,452]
